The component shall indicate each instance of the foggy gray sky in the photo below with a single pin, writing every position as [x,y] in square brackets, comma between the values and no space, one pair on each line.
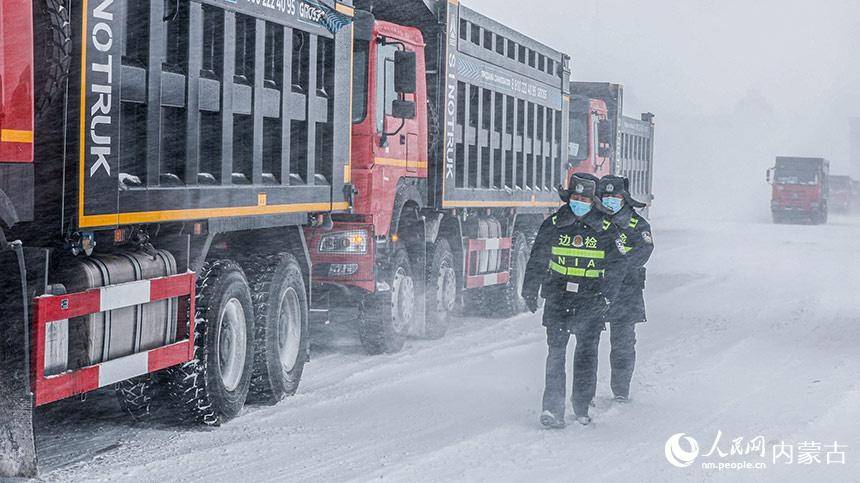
[733,82]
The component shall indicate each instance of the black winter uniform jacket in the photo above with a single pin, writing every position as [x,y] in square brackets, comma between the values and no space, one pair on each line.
[576,265]
[635,232]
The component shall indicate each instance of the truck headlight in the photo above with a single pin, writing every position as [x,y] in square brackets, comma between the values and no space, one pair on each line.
[344,242]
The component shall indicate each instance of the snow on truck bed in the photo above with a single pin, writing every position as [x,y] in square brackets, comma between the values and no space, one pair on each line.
[754,331]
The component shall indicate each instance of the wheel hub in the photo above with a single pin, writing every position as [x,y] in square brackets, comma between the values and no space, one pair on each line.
[289,329]
[447,289]
[403,301]
[232,340]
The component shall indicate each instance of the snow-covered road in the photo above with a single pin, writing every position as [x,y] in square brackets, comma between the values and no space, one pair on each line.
[755,331]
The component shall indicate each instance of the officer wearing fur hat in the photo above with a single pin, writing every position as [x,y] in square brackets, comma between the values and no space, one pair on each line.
[577,265]
[629,308]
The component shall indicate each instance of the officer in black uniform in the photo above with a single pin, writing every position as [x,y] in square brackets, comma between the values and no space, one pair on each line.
[629,308]
[577,265]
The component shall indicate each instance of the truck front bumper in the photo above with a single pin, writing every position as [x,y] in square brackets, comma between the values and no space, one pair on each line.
[343,258]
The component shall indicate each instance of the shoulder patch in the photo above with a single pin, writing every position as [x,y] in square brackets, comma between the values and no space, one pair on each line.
[606,224]
[554,219]
[633,222]
[646,236]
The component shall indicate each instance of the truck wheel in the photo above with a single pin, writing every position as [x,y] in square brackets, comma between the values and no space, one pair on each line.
[441,293]
[281,305]
[141,396]
[509,299]
[214,386]
[385,318]
[53,52]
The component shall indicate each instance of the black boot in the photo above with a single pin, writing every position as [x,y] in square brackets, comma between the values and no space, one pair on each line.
[550,421]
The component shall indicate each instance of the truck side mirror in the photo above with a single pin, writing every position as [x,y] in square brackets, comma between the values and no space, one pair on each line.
[403,110]
[405,72]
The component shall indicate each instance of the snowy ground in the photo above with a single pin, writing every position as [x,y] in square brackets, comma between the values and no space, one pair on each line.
[754,331]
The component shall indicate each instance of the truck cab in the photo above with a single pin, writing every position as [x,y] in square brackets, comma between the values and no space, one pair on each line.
[389,143]
[800,189]
[389,118]
[591,140]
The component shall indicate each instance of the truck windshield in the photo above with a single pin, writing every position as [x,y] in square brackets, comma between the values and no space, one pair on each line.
[359,84]
[795,176]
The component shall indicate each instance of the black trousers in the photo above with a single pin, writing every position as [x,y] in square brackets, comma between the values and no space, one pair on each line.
[622,336]
[584,369]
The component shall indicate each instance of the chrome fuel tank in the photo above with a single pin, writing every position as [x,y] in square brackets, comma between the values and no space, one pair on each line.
[117,333]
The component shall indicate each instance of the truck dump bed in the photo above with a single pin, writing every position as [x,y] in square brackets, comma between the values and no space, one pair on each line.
[636,156]
[505,102]
[206,109]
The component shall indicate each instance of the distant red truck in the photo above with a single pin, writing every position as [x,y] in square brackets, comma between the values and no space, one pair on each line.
[800,190]
[841,194]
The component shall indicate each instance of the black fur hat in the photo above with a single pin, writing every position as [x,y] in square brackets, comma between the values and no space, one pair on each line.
[582,184]
[616,185]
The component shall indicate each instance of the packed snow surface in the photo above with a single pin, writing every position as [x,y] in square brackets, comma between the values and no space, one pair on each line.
[754,331]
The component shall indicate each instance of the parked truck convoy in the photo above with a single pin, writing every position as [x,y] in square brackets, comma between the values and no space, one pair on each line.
[157,164]
[181,182]
[800,189]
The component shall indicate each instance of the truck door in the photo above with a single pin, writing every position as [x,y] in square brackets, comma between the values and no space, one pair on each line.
[401,135]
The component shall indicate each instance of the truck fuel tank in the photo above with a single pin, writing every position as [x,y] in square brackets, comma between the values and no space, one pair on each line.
[109,335]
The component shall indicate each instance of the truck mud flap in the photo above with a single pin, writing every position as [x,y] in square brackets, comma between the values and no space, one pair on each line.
[17,446]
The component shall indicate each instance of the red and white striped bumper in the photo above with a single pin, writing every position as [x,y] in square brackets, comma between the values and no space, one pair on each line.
[49,309]
[476,246]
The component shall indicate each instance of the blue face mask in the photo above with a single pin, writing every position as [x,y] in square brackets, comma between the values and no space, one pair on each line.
[580,208]
[613,204]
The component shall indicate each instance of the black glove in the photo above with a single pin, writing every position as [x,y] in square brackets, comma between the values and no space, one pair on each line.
[532,304]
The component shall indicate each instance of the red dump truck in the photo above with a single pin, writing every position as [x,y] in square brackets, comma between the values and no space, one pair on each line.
[460,134]
[800,189]
[158,161]
[612,143]
[841,194]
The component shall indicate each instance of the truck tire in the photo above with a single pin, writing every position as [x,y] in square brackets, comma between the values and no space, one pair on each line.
[441,292]
[140,397]
[385,318]
[53,52]
[213,387]
[508,300]
[281,341]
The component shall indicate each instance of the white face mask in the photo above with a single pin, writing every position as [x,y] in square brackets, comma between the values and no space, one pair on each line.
[613,204]
[580,208]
